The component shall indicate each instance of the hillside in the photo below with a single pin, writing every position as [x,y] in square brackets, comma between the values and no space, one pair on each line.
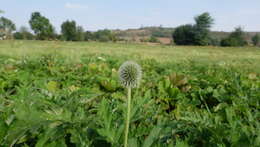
[164,34]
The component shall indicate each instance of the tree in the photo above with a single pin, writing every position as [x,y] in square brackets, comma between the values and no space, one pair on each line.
[6,27]
[184,35]
[18,35]
[256,39]
[197,34]
[204,21]
[88,36]
[41,26]
[80,34]
[202,29]
[69,30]
[236,38]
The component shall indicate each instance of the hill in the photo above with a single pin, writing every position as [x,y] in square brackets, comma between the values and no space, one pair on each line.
[164,34]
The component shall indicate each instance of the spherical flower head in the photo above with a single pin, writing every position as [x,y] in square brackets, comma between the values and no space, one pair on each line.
[130,74]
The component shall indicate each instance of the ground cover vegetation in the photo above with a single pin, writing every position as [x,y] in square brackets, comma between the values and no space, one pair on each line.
[51,95]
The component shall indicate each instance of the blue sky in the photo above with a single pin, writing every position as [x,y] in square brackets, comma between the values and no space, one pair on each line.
[123,14]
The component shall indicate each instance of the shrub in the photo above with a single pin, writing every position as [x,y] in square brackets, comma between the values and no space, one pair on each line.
[236,38]
[184,35]
[88,36]
[104,36]
[256,39]
[153,40]
[23,33]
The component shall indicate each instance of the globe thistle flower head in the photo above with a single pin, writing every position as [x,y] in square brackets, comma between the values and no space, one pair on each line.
[130,74]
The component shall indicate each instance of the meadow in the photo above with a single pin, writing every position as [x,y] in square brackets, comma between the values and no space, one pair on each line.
[55,94]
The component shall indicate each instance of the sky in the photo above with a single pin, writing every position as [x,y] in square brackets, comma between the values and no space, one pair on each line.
[123,14]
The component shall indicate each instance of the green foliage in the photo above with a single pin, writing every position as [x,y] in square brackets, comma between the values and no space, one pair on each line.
[160,31]
[204,21]
[104,36]
[236,38]
[197,34]
[69,30]
[88,36]
[24,34]
[256,39]
[80,34]
[184,35]
[6,27]
[153,39]
[41,26]
[6,24]
[50,100]
[202,29]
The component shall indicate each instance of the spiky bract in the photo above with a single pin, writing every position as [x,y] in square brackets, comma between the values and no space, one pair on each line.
[130,74]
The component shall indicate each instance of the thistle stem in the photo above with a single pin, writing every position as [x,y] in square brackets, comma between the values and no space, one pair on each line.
[128,115]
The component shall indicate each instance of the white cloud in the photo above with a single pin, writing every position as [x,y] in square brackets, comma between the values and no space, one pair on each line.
[75,6]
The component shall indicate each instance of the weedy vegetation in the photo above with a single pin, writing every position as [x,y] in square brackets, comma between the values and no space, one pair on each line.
[55,94]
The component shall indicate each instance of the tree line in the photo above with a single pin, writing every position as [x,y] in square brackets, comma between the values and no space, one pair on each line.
[199,34]
[44,30]
[188,34]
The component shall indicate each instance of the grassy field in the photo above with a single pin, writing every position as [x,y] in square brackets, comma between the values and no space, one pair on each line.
[58,94]
[245,57]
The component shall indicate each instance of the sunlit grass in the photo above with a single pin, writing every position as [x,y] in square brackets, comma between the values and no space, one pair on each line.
[238,56]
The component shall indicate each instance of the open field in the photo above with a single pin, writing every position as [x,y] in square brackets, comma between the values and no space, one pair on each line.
[58,94]
[245,57]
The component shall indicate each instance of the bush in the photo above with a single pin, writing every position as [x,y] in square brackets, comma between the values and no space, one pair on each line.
[153,39]
[104,36]
[24,34]
[236,38]
[256,39]
[184,35]
[214,41]
[88,36]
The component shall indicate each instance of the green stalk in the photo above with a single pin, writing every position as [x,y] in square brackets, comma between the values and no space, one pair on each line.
[128,115]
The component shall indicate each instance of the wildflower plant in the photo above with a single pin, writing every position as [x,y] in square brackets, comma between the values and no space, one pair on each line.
[130,74]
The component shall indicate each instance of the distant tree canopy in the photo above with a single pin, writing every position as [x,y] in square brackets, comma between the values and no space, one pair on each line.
[80,34]
[256,39]
[6,27]
[104,36]
[202,29]
[184,35]
[41,26]
[23,33]
[69,30]
[88,36]
[197,34]
[236,38]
